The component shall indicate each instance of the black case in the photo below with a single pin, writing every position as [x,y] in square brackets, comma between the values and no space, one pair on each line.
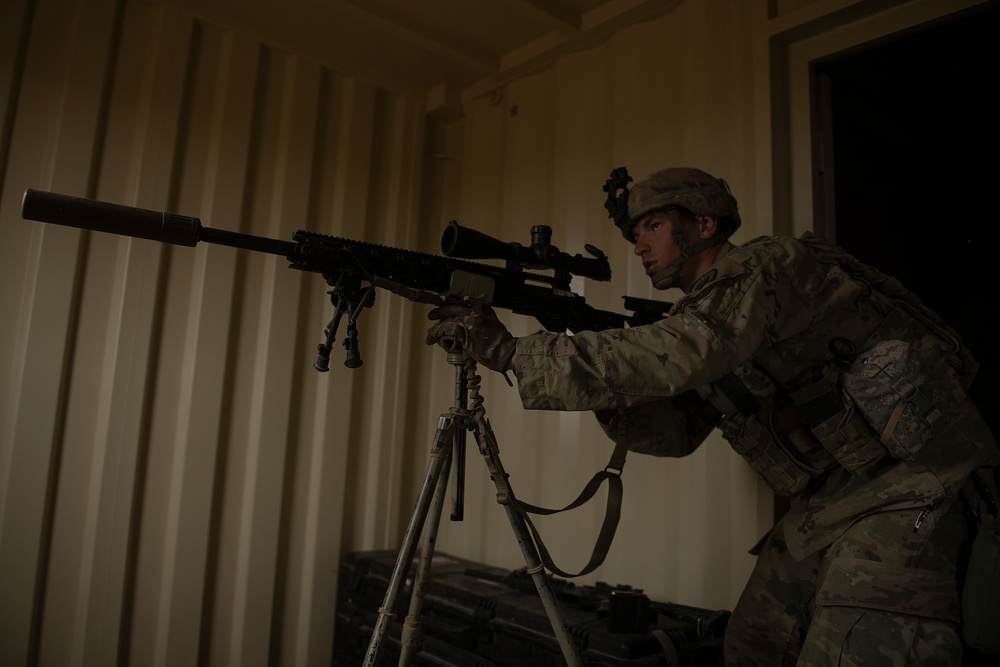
[474,615]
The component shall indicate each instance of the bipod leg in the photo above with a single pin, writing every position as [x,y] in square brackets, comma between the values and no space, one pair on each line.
[491,452]
[439,459]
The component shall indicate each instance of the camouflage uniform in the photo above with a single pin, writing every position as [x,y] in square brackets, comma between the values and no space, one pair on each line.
[765,346]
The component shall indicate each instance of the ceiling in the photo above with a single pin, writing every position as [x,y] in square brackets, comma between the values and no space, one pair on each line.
[448,49]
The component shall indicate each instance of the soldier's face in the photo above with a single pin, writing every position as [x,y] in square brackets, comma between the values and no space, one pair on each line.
[658,246]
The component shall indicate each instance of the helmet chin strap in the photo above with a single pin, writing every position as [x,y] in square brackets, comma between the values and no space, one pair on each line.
[669,271]
[672,269]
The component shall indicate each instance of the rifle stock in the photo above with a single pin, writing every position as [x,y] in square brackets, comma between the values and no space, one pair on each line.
[353,268]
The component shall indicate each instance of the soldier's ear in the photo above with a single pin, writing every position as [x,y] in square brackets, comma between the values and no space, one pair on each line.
[708,225]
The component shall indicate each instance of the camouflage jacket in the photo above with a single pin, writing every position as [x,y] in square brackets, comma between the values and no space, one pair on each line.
[784,344]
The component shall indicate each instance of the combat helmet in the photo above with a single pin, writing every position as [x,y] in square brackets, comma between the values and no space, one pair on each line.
[686,187]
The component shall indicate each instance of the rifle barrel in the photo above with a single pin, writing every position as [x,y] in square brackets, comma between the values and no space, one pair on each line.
[140,223]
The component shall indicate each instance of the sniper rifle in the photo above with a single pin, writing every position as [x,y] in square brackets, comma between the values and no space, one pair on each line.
[353,269]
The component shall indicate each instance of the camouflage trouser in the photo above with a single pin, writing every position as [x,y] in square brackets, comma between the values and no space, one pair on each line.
[882,594]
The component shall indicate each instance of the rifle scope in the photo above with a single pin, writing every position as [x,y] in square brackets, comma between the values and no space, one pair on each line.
[465,243]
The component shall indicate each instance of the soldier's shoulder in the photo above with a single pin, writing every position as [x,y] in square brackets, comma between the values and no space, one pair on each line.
[770,253]
[767,248]
[725,283]
[750,258]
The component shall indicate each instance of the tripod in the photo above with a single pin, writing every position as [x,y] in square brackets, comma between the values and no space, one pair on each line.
[448,447]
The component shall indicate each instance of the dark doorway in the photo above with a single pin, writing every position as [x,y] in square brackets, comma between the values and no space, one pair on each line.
[915,137]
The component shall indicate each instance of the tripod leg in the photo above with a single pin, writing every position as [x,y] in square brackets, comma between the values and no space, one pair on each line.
[440,452]
[412,632]
[490,450]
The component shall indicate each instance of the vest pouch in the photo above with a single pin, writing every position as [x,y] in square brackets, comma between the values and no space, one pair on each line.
[899,397]
[838,424]
[761,448]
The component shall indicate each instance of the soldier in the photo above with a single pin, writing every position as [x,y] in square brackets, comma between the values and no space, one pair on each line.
[834,382]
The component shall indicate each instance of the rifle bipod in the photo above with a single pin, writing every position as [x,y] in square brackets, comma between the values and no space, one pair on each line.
[448,448]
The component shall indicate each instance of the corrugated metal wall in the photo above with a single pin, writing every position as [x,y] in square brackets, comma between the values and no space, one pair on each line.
[177,485]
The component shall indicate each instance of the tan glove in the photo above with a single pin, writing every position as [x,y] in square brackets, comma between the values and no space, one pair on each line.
[483,337]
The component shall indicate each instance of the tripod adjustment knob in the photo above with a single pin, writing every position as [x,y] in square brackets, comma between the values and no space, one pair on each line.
[453,346]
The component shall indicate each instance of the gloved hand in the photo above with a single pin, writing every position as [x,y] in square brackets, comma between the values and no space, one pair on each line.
[481,334]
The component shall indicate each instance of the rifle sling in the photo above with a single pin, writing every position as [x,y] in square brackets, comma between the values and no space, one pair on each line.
[612,513]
